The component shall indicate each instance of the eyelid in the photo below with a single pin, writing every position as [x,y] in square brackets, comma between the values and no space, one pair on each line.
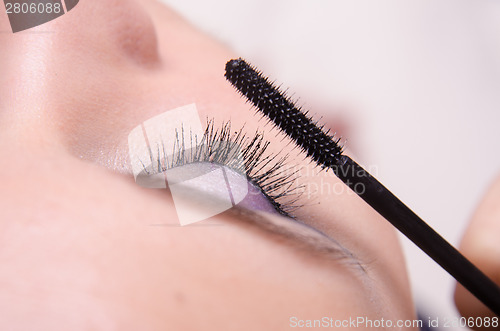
[166,141]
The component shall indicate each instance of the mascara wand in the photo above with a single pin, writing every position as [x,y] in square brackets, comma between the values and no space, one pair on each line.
[327,153]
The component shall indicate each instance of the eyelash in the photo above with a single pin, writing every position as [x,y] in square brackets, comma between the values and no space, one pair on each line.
[242,154]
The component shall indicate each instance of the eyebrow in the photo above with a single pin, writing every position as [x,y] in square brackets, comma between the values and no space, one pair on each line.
[298,235]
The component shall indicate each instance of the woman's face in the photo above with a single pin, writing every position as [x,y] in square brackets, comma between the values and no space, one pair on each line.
[83,246]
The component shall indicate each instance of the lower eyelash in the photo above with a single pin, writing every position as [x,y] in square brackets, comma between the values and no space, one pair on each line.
[242,154]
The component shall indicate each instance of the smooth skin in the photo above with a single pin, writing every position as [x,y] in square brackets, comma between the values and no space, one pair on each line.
[83,247]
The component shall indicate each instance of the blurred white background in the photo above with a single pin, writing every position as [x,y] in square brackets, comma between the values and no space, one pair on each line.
[419,81]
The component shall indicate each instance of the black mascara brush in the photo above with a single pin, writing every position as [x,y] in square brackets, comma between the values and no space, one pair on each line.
[326,152]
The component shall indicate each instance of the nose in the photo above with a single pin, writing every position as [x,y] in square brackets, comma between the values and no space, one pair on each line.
[125,21]
[122,29]
[119,28]
[80,56]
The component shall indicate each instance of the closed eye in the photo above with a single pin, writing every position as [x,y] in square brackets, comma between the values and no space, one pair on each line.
[269,183]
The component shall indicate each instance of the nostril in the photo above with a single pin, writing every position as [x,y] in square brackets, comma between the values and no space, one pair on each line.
[131,28]
[111,29]
[138,40]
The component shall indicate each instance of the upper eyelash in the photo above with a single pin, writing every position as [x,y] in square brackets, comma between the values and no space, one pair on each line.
[245,155]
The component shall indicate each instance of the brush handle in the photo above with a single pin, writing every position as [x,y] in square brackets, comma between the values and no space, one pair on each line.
[413,227]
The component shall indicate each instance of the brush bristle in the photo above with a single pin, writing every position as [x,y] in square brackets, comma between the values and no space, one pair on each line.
[316,143]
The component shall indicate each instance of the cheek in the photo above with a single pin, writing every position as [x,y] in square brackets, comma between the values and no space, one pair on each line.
[227,275]
[133,277]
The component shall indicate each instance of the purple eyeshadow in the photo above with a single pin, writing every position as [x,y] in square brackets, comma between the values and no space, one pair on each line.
[256,200]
